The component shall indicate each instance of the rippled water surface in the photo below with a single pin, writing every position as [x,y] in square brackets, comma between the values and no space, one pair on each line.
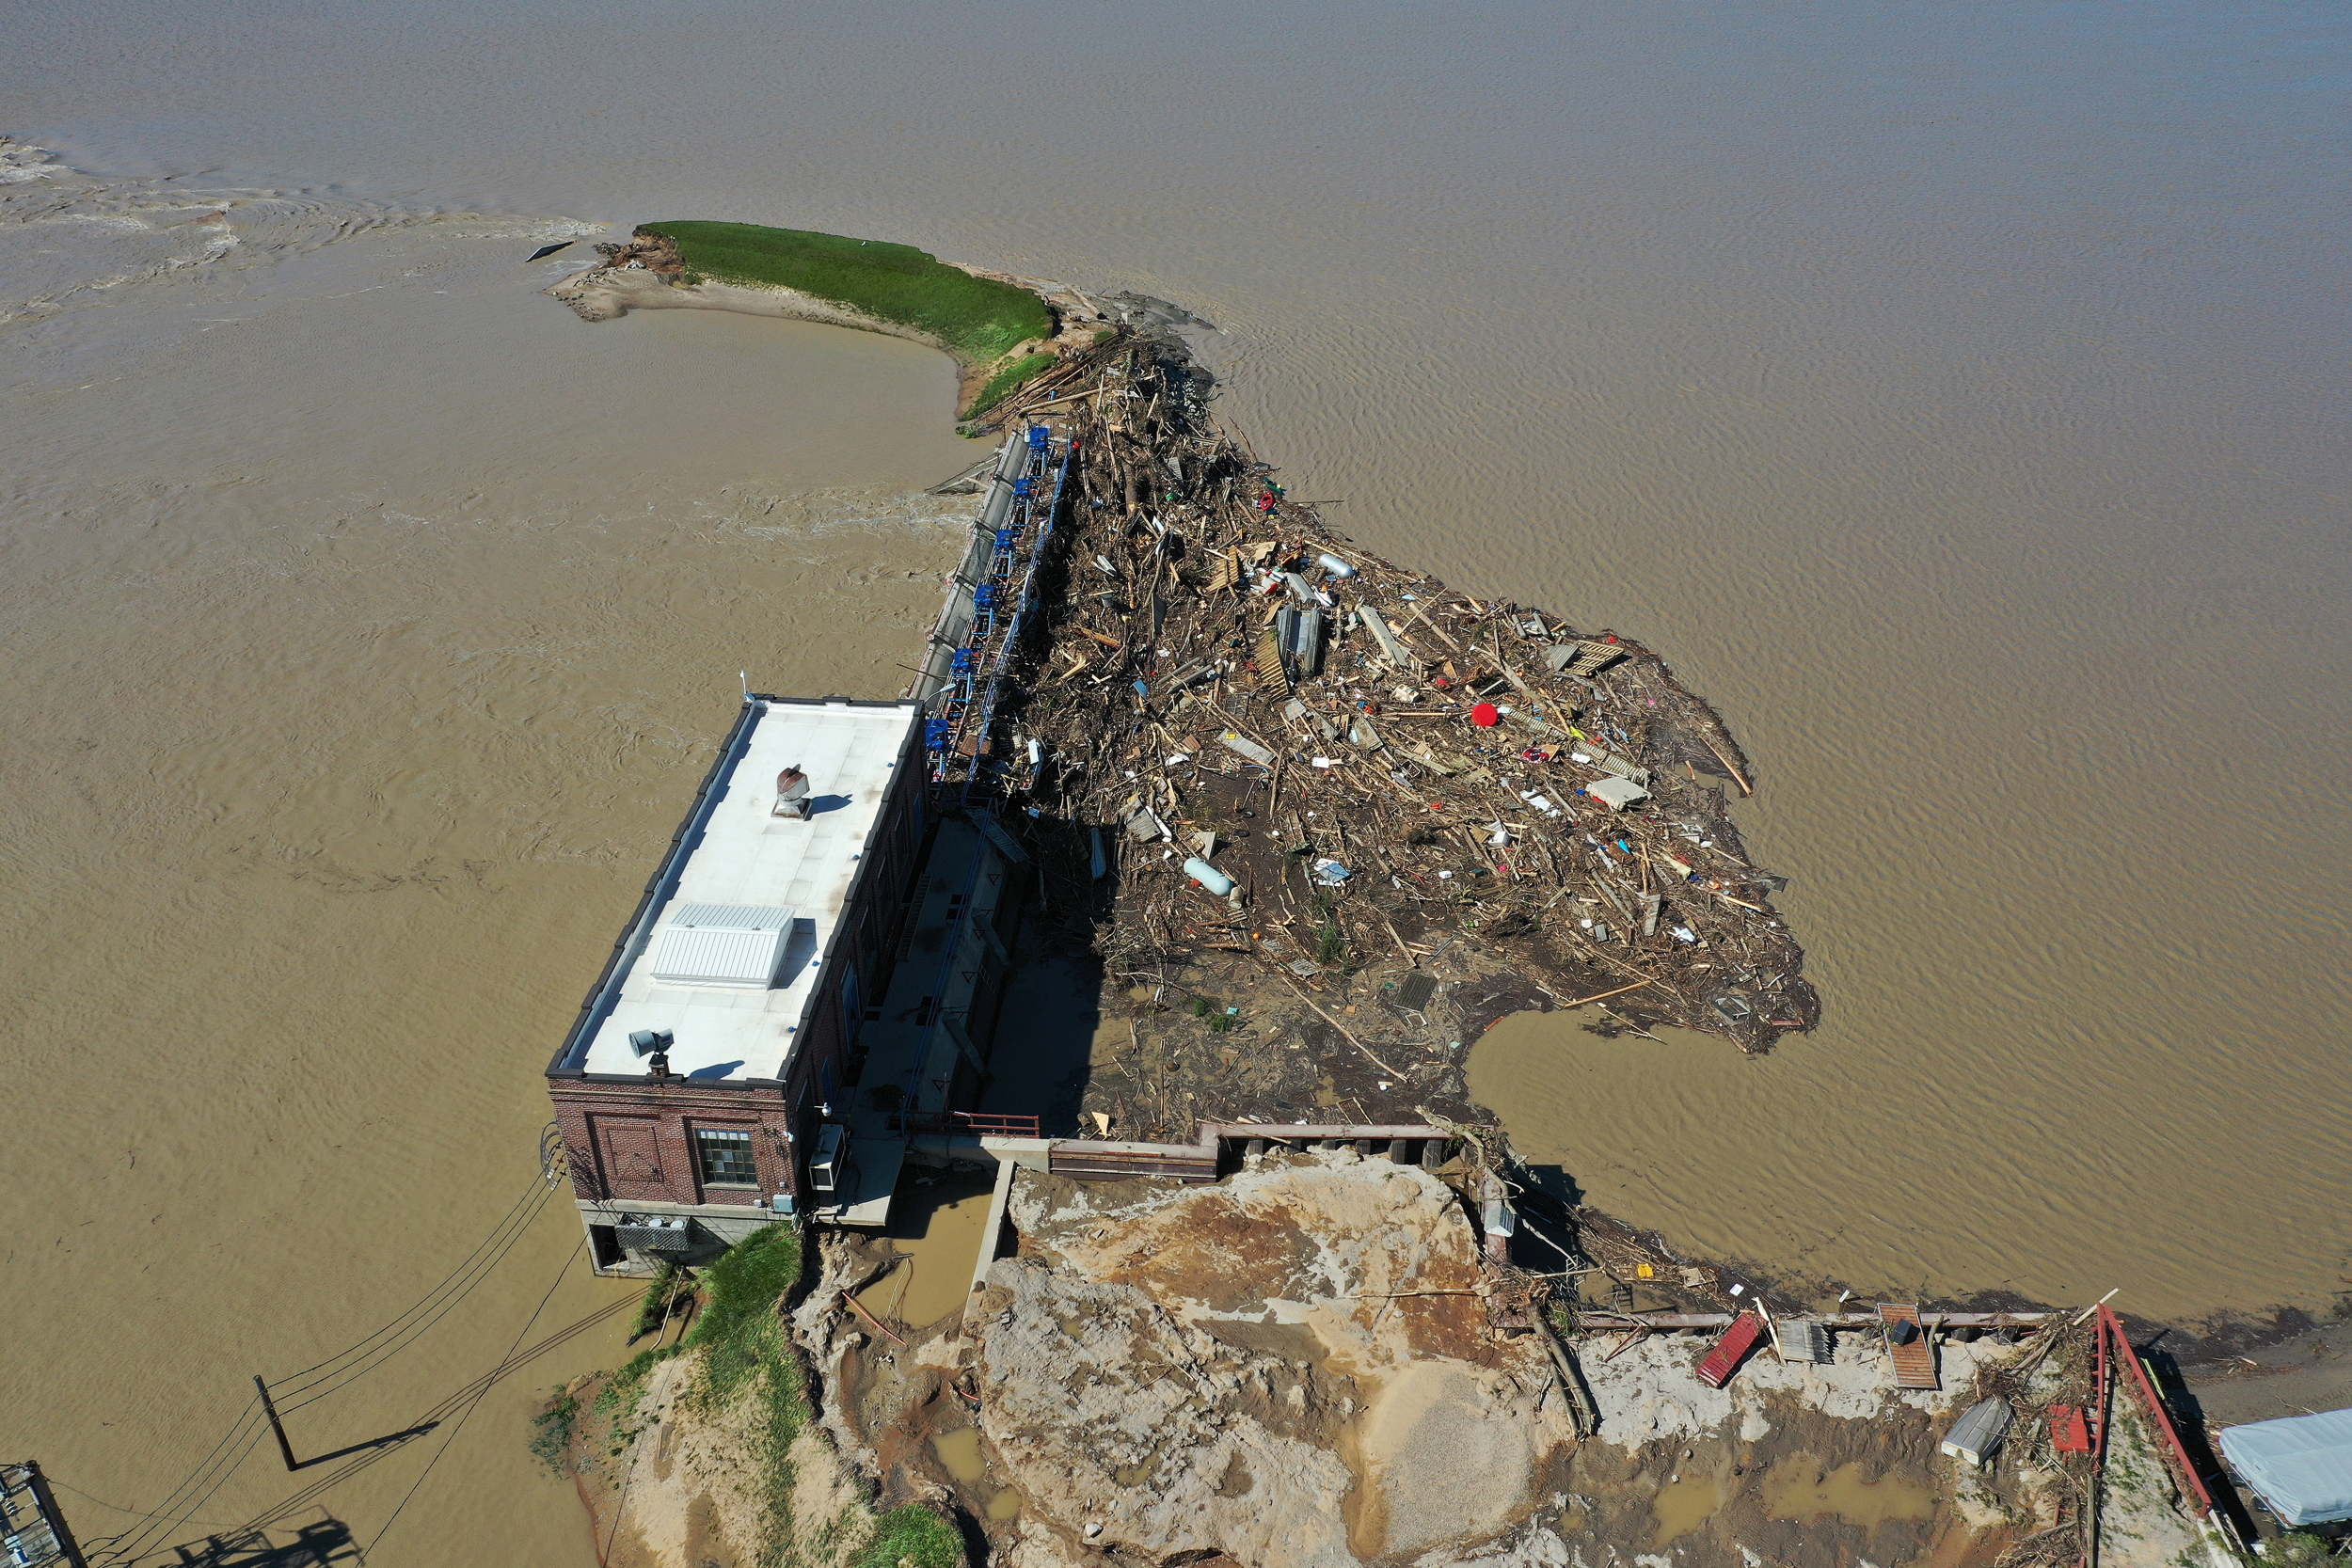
[1955,397]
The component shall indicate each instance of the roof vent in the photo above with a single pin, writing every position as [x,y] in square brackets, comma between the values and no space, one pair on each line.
[723,945]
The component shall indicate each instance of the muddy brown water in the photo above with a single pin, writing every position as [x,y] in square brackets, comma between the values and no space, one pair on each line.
[1955,399]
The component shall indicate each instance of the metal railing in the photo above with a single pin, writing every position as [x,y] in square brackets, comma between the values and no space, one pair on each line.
[984,1124]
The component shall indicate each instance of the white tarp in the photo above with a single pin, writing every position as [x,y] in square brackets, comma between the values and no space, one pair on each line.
[2301,1466]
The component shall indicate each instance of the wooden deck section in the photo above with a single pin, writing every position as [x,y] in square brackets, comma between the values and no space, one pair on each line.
[1915,1363]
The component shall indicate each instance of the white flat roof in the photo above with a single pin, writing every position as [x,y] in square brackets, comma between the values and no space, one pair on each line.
[751,858]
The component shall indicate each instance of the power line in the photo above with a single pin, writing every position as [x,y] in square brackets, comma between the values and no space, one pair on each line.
[505,1239]
[479,1396]
[162,1518]
[338,1371]
[328,1482]
[117,1508]
[358,1369]
[216,1471]
[287,1387]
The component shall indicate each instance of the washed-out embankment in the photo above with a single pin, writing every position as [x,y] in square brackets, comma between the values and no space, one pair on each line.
[1319,820]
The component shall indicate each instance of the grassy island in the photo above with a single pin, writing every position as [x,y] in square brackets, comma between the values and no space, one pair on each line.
[978,319]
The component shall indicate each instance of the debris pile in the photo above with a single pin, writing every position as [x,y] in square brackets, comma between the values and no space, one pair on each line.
[1275,761]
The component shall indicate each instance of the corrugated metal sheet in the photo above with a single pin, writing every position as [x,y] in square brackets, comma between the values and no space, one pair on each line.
[1807,1340]
[733,917]
[1914,1363]
[1740,1339]
[720,956]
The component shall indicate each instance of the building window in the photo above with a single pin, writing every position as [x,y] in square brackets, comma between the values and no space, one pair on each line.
[727,1157]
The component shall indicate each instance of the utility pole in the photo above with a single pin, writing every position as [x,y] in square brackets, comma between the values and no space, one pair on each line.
[285,1448]
[32,1526]
[276,1425]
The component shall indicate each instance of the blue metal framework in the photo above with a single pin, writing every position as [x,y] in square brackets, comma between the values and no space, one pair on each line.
[957,738]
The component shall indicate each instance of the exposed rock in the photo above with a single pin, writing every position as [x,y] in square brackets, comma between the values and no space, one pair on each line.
[1291,1368]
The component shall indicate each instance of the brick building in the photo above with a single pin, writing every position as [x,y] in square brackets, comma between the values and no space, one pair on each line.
[712,1051]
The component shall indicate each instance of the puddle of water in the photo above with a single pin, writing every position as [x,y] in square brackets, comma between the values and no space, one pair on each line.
[884,1296]
[959,1451]
[1005,1505]
[1682,1506]
[1797,1489]
[936,1232]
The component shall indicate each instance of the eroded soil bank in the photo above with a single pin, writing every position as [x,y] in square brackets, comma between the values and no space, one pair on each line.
[1305,1366]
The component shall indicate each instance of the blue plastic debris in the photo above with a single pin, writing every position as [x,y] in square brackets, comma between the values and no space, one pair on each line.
[1142,690]
[936,735]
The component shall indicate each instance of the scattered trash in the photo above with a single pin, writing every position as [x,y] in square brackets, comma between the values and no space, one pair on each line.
[1217,692]
[1615,793]
[1208,875]
[1247,747]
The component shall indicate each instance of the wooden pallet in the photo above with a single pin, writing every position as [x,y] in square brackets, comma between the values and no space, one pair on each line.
[1914,1363]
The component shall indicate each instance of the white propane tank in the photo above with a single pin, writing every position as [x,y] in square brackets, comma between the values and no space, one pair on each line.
[1208,875]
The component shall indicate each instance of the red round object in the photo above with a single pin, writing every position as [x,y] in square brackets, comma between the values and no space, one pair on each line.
[1486,715]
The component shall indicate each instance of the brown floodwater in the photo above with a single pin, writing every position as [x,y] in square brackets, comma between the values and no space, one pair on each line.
[1955,399]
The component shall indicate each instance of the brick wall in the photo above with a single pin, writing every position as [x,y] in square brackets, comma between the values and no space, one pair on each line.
[633,1141]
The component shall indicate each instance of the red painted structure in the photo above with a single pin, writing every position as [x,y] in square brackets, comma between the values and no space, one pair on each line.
[1729,1350]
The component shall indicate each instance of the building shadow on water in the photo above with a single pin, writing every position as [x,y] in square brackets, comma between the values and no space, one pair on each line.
[316,1544]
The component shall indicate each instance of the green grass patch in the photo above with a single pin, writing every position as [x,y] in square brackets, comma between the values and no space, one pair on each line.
[978,319]
[669,1287]
[551,1429]
[742,1351]
[913,1535]
[744,1346]
[1009,381]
